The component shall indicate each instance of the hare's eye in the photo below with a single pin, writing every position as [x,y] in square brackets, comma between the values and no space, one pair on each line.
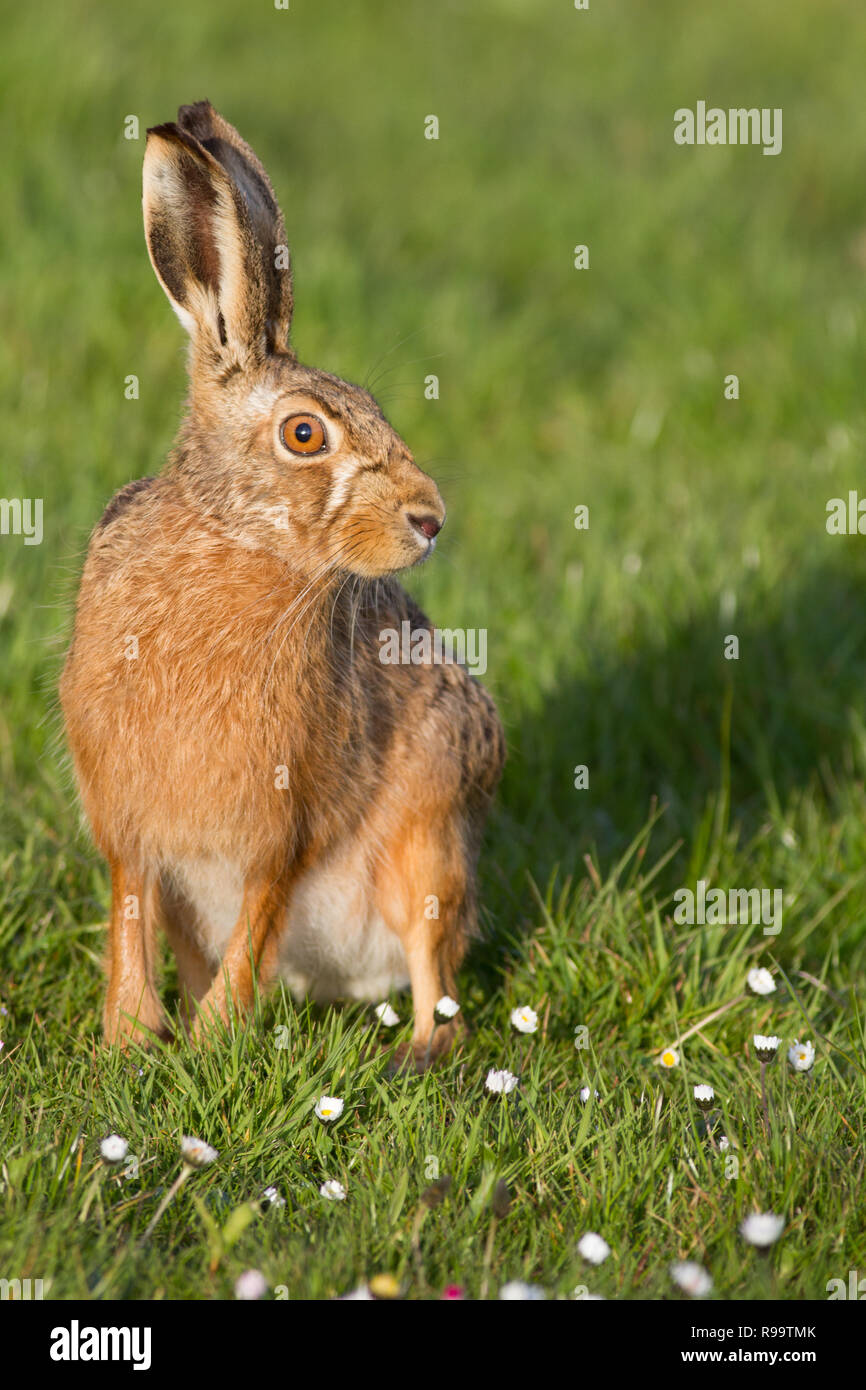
[303,434]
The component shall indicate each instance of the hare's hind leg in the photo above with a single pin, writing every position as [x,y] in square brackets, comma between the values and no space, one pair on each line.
[425,895]
[132,1008]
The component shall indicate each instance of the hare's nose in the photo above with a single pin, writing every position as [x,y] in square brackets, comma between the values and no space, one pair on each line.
[429,526]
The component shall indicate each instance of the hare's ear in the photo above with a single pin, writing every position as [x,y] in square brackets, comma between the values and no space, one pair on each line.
[203,247]
[248,174]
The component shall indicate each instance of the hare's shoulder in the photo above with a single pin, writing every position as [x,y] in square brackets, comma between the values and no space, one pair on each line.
[152,533]
[129,522]
[123,500]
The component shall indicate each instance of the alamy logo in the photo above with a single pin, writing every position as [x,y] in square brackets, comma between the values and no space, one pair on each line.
[421,646]
[75,1343]
[739,906]
[856,1287]
[22,516]
[846,516]
[18,1289]
[736,126]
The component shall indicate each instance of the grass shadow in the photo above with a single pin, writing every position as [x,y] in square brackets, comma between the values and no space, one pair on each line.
[730,744]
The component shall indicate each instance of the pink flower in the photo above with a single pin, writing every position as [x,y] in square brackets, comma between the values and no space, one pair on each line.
[452,1292]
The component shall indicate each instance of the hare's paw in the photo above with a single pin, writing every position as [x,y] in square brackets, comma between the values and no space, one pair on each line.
[212,1018]
[421,1053]
[149,1026]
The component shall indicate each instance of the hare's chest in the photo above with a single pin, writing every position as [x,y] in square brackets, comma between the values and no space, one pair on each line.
[333,942]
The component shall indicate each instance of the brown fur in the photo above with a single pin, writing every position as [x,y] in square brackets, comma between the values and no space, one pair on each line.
[256,583]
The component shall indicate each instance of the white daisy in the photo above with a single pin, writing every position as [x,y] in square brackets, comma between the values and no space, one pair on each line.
[593,1248]
[329,1108]
[762,1228]
[766,1047]
[801,1056]
[704,1095]
[500,1082]
[584,1095]
[669,1058]
[692,1278]
[386,1015]
[114,1149]
[272,1196]
[518,1291]
[333,1190]
[525,1020]
[446,1009]
[250,1285]
[196,1152]
[760,981]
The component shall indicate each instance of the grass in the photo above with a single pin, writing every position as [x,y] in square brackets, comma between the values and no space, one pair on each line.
[605,646]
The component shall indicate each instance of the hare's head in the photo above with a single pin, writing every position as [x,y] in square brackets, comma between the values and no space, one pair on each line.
[284,457]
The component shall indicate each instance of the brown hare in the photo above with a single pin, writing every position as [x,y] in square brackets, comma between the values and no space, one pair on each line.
[263,786]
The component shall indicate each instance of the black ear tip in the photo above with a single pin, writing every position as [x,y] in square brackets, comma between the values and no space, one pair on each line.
[189,116]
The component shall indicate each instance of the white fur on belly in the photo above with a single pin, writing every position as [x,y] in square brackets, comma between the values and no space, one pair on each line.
[335,944]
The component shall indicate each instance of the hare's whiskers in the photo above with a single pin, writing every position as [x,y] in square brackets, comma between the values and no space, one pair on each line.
[339,560]
[370,377]
[287,612]
[309,604]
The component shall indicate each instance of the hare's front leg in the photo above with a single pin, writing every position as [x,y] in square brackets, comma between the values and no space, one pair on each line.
[251,954]
[432,962]
[132,1008]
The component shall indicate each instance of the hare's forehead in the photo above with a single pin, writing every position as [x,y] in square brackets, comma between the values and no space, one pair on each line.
[262,399]
[358,414]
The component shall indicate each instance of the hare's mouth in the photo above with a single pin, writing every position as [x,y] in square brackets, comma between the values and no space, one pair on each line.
[425,553]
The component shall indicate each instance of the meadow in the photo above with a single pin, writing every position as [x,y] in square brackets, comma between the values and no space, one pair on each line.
[557,388]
